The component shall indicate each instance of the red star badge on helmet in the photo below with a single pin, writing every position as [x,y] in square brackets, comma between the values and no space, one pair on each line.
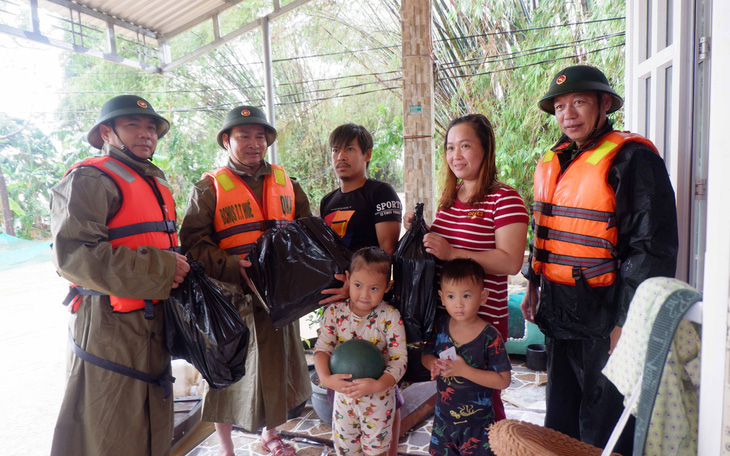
[141,104]
[561,79]
[245,113]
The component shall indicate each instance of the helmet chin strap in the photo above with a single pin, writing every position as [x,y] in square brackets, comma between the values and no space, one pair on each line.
[242,163]
[125,150]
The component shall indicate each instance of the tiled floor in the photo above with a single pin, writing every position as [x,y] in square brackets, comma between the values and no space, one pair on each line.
[524,400]
[40,349]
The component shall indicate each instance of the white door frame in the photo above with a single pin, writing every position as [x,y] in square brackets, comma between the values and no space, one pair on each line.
[713,438]
[645,113]
[651,106]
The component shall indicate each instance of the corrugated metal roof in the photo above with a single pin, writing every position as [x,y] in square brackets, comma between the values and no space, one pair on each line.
[135,33]
[165,18]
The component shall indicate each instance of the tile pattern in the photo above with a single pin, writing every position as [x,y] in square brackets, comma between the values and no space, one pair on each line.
[524,400]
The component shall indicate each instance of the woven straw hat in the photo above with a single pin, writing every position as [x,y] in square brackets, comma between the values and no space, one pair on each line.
[518,438]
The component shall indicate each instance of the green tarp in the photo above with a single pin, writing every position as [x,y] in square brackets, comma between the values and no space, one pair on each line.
[16,252]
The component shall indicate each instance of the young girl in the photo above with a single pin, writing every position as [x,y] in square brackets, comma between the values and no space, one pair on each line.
[479,217]
[468,358]
[364,408]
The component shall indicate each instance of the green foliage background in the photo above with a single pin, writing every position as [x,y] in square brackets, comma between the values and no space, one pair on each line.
[334,61]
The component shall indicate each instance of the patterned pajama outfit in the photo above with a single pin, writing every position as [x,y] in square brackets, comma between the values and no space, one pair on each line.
[464,409]
[363,426]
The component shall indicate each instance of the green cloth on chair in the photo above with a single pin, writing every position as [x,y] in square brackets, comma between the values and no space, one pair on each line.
[521,332]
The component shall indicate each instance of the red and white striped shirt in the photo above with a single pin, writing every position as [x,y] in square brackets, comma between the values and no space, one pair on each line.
[472,227]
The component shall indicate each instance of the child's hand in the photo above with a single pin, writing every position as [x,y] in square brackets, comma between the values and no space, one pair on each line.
[362,387]
[436,369]
[337,382]
[454,368]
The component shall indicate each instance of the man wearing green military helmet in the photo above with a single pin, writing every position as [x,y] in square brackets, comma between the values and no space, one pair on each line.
[604,219]
[129,123]
[115,239]
[227,212]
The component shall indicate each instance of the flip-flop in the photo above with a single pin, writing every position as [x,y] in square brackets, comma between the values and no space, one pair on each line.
[277,447]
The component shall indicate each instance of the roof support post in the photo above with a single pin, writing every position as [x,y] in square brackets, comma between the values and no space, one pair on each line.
[268,82]
[34,17]
[111,39]
[418,115]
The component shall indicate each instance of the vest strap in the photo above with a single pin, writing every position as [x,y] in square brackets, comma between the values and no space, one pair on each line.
[165,382]
[574,212]
[241,249]
[544,232]
[75,292]
[166,226]
[262,225]
[586,265]
[149,309]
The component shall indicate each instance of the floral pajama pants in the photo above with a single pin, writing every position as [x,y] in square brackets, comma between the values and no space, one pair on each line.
[363,426]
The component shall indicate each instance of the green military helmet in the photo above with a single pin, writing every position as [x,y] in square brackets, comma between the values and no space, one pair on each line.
[247,115]
[579,78]
[125,105]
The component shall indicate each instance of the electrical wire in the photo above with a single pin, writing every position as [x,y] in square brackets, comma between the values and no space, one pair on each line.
[504,32]
[226,89]
[330,89]
[460,76]
[545,27]
[338,96]
[220,107]
[522,53]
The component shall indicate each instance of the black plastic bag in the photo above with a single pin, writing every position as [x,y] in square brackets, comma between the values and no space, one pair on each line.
[204,328]
[292,264]
[414,288]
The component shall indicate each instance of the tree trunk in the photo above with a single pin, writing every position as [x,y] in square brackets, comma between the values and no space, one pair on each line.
[5,206]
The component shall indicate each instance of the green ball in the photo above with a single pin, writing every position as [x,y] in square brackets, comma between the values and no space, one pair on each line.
[358,357]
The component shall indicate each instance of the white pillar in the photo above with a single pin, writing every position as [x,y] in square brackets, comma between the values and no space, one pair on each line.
[268,82]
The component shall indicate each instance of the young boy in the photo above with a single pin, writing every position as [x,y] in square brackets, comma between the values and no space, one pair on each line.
[363,408]
[468,358]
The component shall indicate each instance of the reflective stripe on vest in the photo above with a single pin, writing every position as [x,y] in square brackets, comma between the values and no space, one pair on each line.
[574,214]
[145,218]
[240,218]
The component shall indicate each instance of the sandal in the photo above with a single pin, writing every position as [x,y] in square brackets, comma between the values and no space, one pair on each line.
[277,447]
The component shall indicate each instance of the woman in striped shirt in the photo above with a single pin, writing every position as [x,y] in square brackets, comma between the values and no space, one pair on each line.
[479,217]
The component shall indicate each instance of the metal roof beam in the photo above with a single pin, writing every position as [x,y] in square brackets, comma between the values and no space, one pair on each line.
[43,39]
[105,17]
[221,40]
[119,29]
[211,15]
[167,67]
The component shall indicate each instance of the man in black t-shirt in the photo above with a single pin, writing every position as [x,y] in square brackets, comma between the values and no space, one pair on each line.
[364,212]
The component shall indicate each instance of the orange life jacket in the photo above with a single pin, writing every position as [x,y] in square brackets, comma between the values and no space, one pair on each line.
[240,218]
[145,218]
[574,214]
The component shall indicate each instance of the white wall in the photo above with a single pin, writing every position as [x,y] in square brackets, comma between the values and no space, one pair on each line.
[713,398]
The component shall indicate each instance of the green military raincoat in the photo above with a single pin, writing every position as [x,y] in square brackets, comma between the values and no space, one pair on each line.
[104,412]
